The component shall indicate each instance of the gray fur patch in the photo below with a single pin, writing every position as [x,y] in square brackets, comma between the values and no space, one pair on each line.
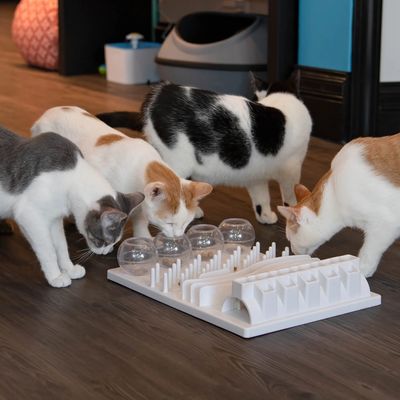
[94,227]
[23,159]
[104,226]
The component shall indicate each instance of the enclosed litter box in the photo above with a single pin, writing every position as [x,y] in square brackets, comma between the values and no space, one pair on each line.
[215,51]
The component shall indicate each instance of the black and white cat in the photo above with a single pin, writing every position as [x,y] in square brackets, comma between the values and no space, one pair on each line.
[226,139]
[45,179]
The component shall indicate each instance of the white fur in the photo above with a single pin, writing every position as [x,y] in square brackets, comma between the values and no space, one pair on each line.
[39,211]
[123,163]
[285,167]
[355,196]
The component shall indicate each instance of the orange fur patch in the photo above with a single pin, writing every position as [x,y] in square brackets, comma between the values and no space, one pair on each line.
[158,172]
[189,193]
[383,154]
[313,200]
[108,139]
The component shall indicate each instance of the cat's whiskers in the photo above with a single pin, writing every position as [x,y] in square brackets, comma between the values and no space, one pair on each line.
[84,256]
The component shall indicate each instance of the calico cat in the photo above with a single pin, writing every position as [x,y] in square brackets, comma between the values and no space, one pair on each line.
[45,179]
[129,165]
[226,139]
[361,190]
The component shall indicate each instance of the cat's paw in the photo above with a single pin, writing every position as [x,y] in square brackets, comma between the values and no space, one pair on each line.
[267,217]
[199,213]
[62,280]
[76,272]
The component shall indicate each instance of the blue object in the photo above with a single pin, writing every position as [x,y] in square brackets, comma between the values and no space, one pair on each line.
[325,34]
[141,45]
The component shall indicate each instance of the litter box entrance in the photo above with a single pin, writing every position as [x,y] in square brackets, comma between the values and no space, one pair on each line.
[208,27]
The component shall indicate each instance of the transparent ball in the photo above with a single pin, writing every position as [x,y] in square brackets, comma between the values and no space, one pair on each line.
[237,232]
[206,240]
[137,255]
[169,249]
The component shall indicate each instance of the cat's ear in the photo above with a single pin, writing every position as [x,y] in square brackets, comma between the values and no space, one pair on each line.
[200,190]
[257,84]
[301,192]
[129,201]
[111,221]
[155,191]
[289,213]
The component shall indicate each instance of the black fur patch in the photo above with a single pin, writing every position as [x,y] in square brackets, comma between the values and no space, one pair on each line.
[258,209]
[268,128]
[122,119]
[22,159]
[210,127]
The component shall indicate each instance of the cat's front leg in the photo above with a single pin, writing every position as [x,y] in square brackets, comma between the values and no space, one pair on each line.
[140,224]
[60,244]
[259,193]
[37,232]
[199,213]
[376,242]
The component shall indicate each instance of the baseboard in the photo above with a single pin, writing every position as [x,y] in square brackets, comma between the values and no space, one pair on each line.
[326,94]
[388,108]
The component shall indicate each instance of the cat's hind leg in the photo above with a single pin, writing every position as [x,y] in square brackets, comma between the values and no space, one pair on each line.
[288,177]
[37,232]
[60,244]
[260,197]
[376,242]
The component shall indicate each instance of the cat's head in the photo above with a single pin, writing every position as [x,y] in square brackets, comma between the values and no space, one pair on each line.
[104,223]
[304,228]
[171,202]
[262,89]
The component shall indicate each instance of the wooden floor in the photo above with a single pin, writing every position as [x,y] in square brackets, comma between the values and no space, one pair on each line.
[97,340]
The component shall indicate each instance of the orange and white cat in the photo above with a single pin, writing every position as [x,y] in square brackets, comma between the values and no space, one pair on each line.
[361,190]
[129,165]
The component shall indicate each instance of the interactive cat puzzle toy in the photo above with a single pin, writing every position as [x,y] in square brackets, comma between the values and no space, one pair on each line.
[255,293]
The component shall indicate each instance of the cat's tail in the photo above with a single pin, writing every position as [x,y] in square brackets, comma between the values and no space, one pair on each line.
[122,119]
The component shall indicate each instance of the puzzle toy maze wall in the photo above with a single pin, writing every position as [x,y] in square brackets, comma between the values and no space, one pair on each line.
[258,293]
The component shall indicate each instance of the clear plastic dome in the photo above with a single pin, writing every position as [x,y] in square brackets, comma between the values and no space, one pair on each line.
[137,255]
[169,249]
[206,240]
[237,232]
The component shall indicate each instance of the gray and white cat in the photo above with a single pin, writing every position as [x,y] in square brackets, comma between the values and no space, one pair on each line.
[45,179]
[226,139]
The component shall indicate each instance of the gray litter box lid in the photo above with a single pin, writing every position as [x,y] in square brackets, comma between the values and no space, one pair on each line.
[214,40]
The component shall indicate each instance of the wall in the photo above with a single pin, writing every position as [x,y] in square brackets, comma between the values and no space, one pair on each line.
[325,34]
[390,48]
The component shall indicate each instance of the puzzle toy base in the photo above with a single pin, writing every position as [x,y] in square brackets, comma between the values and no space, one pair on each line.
[260,294]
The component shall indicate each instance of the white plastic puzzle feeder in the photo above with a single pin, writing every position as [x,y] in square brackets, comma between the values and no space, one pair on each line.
[258,293]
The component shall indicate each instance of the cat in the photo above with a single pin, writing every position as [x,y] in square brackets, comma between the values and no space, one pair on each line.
[361,190]
[45,179]
[226,139]
[262,89]
[129,165]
